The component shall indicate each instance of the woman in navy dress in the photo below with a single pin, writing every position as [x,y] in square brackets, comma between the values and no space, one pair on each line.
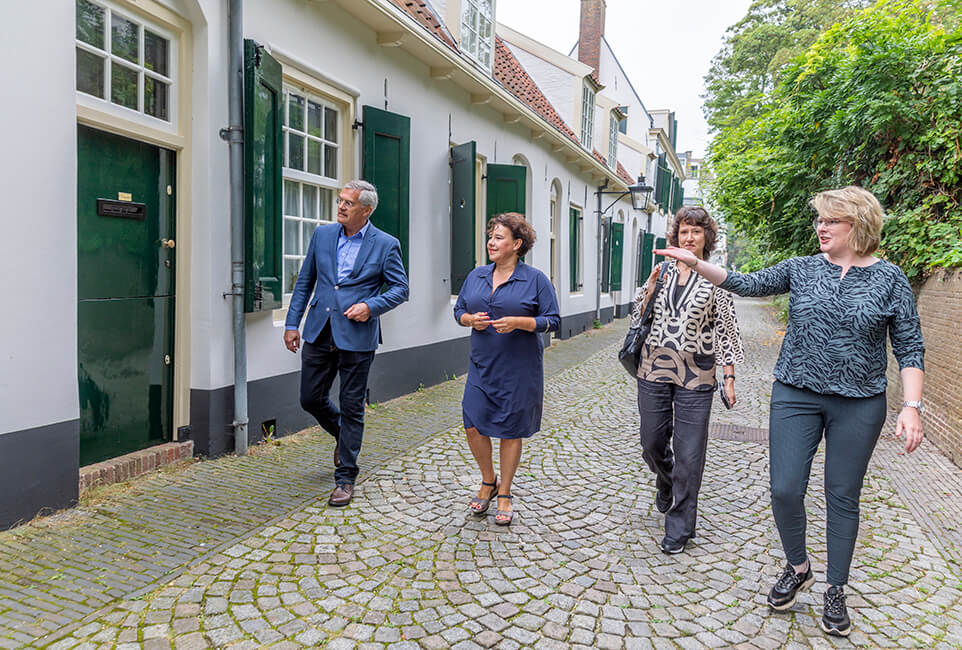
[507,304]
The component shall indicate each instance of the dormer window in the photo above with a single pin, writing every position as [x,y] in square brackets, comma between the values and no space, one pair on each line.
[477,32]
[587,115]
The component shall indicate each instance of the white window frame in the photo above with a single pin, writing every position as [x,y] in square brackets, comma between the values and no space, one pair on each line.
[613,141]
[587,116]
[109,59]
[301,177]
[483,20]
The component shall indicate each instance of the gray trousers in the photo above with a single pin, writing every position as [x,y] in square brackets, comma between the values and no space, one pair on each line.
[674,440]
[851,426]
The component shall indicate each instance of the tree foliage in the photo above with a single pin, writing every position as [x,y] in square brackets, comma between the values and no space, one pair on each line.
[757,49]
[875,101]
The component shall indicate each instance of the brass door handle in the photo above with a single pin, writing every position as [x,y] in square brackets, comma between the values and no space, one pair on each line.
[168,243]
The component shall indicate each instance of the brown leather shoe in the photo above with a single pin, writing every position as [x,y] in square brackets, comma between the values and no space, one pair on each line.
[341,496]
[337,455]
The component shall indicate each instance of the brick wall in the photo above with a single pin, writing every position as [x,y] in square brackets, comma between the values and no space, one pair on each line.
[590,33]
[940,308]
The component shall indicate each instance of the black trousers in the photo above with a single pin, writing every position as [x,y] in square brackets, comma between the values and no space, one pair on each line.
[321,361]
[674,441]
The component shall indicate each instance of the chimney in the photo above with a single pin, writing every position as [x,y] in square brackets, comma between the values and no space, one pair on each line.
[592,29]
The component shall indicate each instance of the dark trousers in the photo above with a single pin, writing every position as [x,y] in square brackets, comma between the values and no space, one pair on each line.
[320,362]
[851,426]
[674,440]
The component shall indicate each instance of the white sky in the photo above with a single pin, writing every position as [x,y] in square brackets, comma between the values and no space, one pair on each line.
[664,47]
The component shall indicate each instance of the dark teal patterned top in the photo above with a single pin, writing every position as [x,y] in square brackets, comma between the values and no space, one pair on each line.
[835,340]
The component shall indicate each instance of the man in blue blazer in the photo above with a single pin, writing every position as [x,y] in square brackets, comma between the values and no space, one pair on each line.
[346,266]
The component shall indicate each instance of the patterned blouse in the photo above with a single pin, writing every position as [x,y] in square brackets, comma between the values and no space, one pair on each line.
[835,340]
[694,326]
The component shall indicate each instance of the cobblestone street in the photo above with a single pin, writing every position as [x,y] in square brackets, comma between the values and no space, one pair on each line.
[244,552]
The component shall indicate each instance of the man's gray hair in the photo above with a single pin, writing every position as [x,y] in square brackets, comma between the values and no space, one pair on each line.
[368,193]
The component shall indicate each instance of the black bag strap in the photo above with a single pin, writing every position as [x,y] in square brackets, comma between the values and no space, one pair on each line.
[647,315]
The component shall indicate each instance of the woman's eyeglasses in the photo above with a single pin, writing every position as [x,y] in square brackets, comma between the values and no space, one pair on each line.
[830,223]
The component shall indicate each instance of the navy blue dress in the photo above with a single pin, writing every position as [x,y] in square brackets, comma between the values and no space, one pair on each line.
[505,389]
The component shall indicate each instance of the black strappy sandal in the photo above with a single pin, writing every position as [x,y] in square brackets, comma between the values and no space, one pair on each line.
[479,506]
[509,514]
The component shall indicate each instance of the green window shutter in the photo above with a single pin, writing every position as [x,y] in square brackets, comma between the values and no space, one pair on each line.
[616,254]
[605,253]
[463,201]
[574,233]
[506,189]
[659,243]
[263,157]
[387,165]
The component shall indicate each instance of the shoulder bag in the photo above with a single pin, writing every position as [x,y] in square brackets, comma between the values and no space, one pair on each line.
[630,352]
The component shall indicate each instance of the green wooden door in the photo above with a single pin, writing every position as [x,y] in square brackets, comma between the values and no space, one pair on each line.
[647,246]
[616,255]
[387,164]
[125,312]
[660,242]
[574,249]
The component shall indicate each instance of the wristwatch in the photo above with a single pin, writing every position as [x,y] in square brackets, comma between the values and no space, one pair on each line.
[916,404]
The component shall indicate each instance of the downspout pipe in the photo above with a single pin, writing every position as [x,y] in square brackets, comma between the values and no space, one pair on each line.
[235,88]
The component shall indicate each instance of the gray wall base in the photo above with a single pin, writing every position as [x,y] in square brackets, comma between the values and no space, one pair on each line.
[575,324]
[276,399]
[39,471]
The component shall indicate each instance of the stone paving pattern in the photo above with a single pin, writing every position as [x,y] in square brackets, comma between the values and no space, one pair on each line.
[245,553]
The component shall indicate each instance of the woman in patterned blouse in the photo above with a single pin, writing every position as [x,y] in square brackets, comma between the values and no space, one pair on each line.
[694,328]
[830,379]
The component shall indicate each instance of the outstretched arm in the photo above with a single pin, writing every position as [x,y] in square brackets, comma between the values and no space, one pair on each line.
[714,274]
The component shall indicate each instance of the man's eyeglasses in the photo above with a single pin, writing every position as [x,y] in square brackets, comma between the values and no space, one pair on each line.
[347,202]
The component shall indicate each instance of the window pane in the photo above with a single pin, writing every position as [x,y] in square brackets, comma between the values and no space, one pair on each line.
[155,53]
[295,151]
[471,44]
[330,124]
[330,161]
[291,198]
[296,112]
[310,202]
[91,22]
[90,73]
[124,37]
[314,119]
[313,157]
[156,97]
[291,268]
[123,86]
[485,7]
[307,229]
[292,231]
[327,201]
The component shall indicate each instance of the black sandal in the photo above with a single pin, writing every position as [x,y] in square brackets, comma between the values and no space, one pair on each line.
[479,506]
[507,514]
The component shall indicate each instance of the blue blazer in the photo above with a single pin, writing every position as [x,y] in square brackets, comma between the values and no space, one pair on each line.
[378,264]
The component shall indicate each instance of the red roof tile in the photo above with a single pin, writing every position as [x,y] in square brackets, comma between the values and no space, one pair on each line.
[509,72]
[624,175]
[419,10]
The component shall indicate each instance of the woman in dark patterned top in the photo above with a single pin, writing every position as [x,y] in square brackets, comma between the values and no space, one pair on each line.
[830,379]
[693,329]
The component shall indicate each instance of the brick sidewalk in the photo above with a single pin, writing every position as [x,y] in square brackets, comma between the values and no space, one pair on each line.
[405,566]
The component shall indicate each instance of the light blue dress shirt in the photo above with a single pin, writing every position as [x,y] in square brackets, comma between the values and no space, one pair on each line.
[347,250]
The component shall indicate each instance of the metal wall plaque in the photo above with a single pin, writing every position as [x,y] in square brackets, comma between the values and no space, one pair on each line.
[122,209]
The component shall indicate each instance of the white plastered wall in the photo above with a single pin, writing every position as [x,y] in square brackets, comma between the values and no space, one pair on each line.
[38,333]
[325,38]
